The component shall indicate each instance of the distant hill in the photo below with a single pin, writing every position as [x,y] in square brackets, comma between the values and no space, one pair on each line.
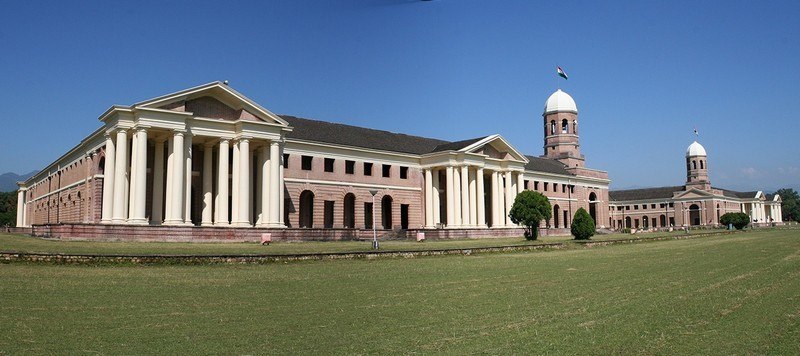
[8,181]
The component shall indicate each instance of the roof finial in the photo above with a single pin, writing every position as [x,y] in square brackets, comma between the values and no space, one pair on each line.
[225,82]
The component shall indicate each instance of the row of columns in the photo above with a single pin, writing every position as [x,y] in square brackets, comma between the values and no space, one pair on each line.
[758,212]
[465,196]
[125,184]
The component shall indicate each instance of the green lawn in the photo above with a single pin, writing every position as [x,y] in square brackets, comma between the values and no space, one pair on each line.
[20,243]
[734,294]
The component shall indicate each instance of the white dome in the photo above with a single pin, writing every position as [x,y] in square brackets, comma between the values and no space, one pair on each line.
[695,149]
[560,101]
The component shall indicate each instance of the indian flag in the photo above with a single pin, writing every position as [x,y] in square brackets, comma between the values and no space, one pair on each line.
[561,72]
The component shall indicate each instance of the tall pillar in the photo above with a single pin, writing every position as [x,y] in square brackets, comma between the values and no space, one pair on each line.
[235,183]
[780,213]
[437,212]
[20,207]
[480,202]
[170,174]
[473,199]
[208,184]
[222,184]
[187,195]
[120,168]
[520,182]
[275,184]
[244,183]
[175,180]
[495,201]
[457,197]
[281,203]
[428,199]
[465,202]
[451,217]
[157,212]
[509,198]
[139,183]
[131,189]
[265,168]
[108,181]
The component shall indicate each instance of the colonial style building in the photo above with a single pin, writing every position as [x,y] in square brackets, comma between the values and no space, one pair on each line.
[207,162]
[695,203]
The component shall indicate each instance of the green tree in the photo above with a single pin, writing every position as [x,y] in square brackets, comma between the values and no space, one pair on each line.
[8,209]
[528,210]
[790,204]
[582,225]
[739,220]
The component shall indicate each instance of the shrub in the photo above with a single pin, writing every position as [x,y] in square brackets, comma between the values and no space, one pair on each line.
[739,220]
[528,210]
[582,225]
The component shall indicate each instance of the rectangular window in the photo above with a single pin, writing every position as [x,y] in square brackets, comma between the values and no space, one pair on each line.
[635,207]
[350,167]
[285,160]
[555,187]
[367,169]
[652,206]
[403,172]
[572,189]
[545,186]
[662,205]
[306,162]
[671,205]
[525,186]
[387,171]
[563,188]
[329,164]
[627,207]
[536,185]
[368,215]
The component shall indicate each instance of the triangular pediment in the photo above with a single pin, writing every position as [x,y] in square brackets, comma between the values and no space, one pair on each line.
[693,193]
[495,146]
[215,101]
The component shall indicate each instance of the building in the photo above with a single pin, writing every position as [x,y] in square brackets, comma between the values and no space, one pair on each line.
[209,163]
[695,203]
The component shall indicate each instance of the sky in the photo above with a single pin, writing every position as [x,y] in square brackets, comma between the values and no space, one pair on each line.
[644,74]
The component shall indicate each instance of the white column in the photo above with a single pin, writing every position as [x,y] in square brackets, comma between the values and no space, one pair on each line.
[108,181]
[20,207]
[176,181]
[157,215]
[473,199]
[235,183]
[480,202]
[450,200]
[509,198]
[244,183]
[208,184]
[131,189]
[120,169]
[521,183]
[428,199]
[170,177]
[265,169]
[222,184]
[187,205]
[139,197]
[437,214]
[281,204]
[780,213]
[275,184]
[495,201]
[465,203]
[457,197]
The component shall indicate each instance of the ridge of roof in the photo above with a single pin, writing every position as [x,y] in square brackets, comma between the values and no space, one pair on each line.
[645,193]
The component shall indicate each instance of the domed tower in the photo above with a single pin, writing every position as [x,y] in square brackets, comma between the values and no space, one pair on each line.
[697,167]
[561,130]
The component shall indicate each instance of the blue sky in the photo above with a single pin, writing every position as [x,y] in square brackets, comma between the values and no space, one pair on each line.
[643,73]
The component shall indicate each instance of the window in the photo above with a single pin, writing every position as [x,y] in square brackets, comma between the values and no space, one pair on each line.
[635,207]
[671,205]
[367,169]
[545,186]
[368,215]
[701,164]
[306,162]
[536,185]
[564,126]
[329,164]
[350,167]
[662,205]
[525,186]
[555,187]
[403,172]
[572,189]
[285,160]
[552,126]
[387,171]
[652,206]
[694,164]
[563,188]
[575,126]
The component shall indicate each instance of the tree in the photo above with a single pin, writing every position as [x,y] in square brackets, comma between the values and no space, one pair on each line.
[8,209]
[528,210]
[790,204]
[739,220]
[582,225]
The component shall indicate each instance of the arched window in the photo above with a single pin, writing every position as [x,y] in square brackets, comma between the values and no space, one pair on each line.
[645,222]
[307,209]
[555,216]
[663,219]
[386,211]
[628,222]
[593,207]
[701,164]
[552,127]
[575,126]
[694,164]
[694,215]
[349,211]
[564,126]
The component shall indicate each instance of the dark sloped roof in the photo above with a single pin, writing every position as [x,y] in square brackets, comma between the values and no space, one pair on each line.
[643,194]
[328,132]
[735,194]
[540,164]
[769,197]
[455,146]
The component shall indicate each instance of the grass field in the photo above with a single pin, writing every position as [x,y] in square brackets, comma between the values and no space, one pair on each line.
[21,243]
[734,294]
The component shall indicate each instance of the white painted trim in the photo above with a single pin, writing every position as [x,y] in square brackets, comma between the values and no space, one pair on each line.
[346,184]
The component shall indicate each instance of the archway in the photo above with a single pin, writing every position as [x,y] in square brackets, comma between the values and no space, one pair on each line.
[694,215]
[593,207]
[386,211]
[645,222]
[718,214]
[628,222]
[663,220]
[555,216]
[349,211]
[307,209]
